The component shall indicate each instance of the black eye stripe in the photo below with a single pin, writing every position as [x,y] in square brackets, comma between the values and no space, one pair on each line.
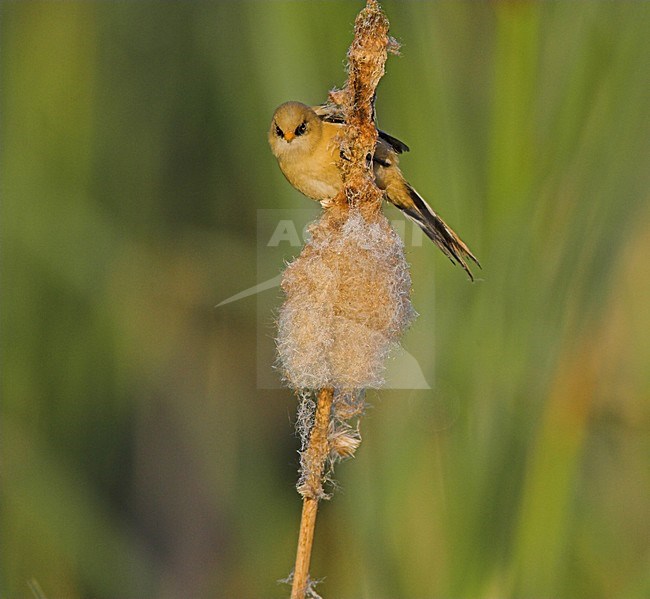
[279,131]
[300,129]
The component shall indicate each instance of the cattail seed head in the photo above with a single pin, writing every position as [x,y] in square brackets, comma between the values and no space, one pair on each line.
[347,304]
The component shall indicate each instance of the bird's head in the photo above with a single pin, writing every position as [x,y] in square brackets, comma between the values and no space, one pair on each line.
[295,129]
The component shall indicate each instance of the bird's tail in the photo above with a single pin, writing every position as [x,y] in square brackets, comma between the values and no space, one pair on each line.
[437,230]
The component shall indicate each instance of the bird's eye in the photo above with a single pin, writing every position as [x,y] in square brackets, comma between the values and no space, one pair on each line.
[300,129]
[279,131]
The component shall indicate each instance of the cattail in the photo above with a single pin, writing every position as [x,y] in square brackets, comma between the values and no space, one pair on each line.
[347,304]
[347,294]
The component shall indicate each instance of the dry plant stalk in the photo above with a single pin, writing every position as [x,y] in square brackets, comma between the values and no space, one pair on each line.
[347,294]
[311,490]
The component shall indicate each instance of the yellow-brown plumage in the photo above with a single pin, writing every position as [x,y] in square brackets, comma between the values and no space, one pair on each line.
[304,141]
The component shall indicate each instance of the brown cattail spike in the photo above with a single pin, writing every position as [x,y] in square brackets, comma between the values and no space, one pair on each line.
[347,294]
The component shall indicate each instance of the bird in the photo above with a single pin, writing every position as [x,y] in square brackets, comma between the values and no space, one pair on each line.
[305,141]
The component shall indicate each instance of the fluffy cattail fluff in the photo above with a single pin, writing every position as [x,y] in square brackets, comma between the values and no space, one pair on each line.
[347,304]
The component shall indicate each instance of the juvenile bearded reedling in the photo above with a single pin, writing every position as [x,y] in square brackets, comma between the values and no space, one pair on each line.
[304,141]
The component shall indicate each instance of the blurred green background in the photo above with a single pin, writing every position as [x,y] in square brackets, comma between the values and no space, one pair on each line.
[139,456]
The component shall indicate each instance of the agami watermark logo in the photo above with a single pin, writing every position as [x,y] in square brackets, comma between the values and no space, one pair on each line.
[281,234]
[286,232]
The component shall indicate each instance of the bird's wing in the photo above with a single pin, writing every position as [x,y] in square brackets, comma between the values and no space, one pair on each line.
[331,113]
[396,144]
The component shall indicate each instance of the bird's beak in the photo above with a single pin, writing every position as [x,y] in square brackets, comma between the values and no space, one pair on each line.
[289,136]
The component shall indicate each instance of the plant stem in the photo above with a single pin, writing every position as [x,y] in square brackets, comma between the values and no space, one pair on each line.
[312,490]
[367,56]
